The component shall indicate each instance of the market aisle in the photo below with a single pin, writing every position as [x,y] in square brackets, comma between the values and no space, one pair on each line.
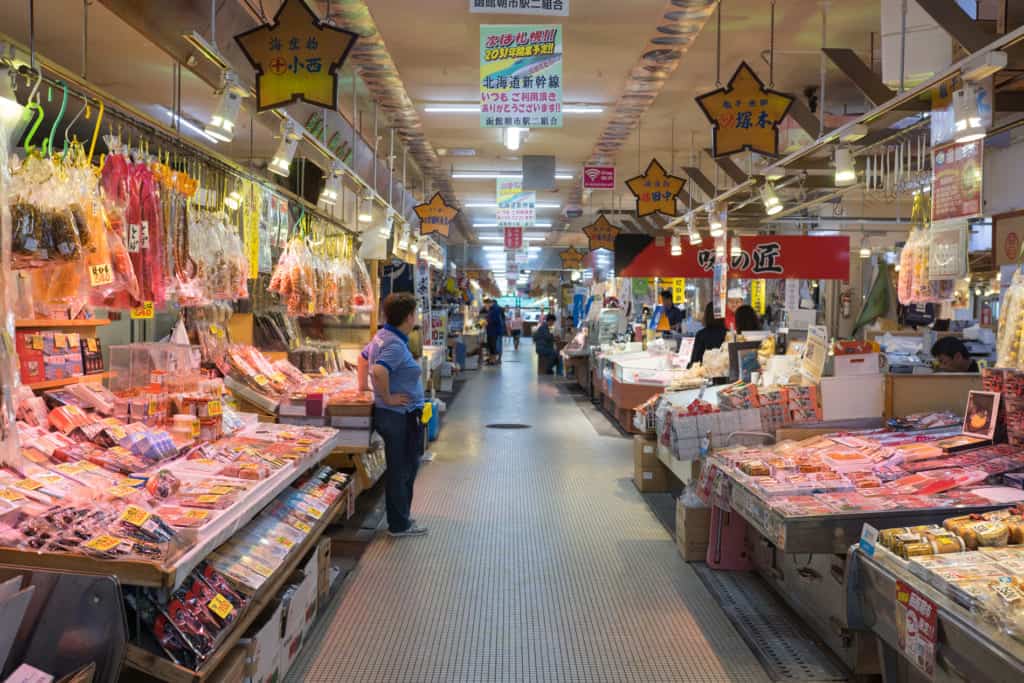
[542,563]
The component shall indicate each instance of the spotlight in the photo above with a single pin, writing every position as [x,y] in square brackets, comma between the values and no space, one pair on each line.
[366,208]
[677,248]
[967,113]
[771,201]
[865,252]
[514,137]
[696,239]
[282,162]
[222,123]
[846,174]
[332,186]
[387,225]
[716,219]
[734,249]
[10,110]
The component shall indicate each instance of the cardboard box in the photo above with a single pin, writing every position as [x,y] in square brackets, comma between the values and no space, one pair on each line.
[263,645]
[855,364]
[649,475]
[693,526]
[299,603]
[323,572]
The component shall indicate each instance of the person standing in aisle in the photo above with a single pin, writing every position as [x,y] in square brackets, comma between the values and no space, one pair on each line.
[397,408]
[515,327]
[711,337]
[548,360]
[495,330]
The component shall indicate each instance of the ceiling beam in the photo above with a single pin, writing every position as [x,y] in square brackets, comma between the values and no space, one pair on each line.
[805,118]
[866,80]
[700,180]
[729,167]
[971,35]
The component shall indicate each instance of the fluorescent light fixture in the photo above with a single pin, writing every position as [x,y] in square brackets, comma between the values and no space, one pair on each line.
[967,114]
[282,162]
[494,205]
[541,224]
[222,123]
[332,185]
[846,173]
[501,238]
[475,109]
[677,248]
[185,122]
[980,68]
[10,110]
[772,203]
[513,138]
[492,175]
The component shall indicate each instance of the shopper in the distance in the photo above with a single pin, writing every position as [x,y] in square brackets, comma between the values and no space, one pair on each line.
[548,360]
[952,355]
[711,337]
[674,315]
[495,330]
[747,320]
[515,327]
[397,408]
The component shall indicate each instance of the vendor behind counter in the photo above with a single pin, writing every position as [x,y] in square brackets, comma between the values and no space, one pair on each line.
[952,355]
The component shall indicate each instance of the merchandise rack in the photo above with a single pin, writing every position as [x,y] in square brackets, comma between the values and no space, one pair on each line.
[968,649]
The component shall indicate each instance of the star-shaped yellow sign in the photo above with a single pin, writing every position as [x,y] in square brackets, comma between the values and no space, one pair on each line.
[436,216]
[572,258]
[601,234]
[296,57]
[744,114]
[655,190]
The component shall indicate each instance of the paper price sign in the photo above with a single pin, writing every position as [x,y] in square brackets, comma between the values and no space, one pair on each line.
[213,408]
[303,527]
[143,312]
[103,543]
[11,495]
[917,627]
[134,236]
[144,235]
[101,274]
[135,516]
[221,606]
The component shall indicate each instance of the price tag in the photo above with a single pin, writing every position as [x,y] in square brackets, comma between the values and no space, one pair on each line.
[73,341]
[312,307]
[101,274]
[135,516]
[221,606]
[29,484]
[314,513]
[261,569]
[206,499]
[90,344]
[117,432]
[11,495]
[37,342]
[103,543]
[221,490]
[216,331]
[261,380]
[202,461]
[134,230]
[60,340]
[868,539]
[305,442]
[197,514]
[323,371]
[303,527]
[144,235]
[195,429]
[121,491]
[213,408]
[152,408]
[143,312]
[917,627]
[279,377]
[286,542]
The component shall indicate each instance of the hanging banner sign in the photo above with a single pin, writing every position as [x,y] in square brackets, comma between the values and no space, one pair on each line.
[521,76]
[436,216]
[598,177]
[956,180]
[770,257]
[947,255]
[571,258]
[548,8]
[601,234]
[792,296]
[745,114]
[296,57]
[513,238]
[655,191]
[917,626]
[758,293]
[515,207]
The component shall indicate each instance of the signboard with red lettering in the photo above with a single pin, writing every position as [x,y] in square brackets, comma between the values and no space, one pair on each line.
[598,177]
[521,76]
[513,238]
[771,257]
[917,627]
[956,180]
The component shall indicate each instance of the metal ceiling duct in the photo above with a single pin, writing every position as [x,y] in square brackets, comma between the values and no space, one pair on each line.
[374,64]
[681,22]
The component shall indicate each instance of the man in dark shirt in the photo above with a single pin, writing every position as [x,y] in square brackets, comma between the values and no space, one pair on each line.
[548,360]
[675,315]
[952,356]
[495,330]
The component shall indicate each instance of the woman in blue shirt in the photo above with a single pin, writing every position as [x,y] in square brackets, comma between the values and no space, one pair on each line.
[397,407]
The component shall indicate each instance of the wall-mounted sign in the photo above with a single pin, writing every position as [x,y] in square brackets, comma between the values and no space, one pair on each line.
[436,216]
[598,177]
[513,238]
[745,114]
[296,57]
[521,76]
[571,258]
[655,191]
[515,207]
[549,8]
[1007,237]
[947,255]
[957,171]
[771,257]
[601,234]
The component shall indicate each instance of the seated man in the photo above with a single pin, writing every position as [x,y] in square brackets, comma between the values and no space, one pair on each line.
[952,356]
[548,359]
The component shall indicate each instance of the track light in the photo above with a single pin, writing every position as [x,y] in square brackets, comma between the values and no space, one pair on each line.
[10,110]
[332,186]
[772,203]
[696,239]
[222,123]
[386,226]
[846,174]
[233,200]
[716,219]
[734,247]
[282,162]
[967,113]
[676,248]
[514,137]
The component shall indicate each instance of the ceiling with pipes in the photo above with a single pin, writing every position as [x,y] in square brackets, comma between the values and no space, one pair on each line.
[631,73]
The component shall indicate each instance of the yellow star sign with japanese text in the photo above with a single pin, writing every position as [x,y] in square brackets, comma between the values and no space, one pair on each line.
[655,190]
[436,216]
[572,258]
[601,234]
[296,57]
[745,114]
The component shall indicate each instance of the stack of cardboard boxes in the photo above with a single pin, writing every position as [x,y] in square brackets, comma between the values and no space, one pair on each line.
[693,525]
[649,475]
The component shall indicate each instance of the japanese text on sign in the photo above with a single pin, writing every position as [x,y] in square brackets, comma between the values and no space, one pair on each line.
[515,207]
[521,76]
[551,8]
[745,114]
[655,191]
[917,620]
[957,180]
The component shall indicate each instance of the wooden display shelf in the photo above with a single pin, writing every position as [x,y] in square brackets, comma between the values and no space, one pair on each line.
[164,669]
[44,323]
[58,383]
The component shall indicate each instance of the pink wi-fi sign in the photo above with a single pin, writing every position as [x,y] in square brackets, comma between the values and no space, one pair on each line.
[598,177]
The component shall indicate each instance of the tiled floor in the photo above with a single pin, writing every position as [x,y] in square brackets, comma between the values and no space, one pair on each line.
[542,563]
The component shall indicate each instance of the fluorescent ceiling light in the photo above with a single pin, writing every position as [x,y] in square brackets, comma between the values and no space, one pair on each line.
[188,124]
[540,224]
[501,238]
[475,109]
[491,175]
[494,205]
[513,137]
[489,247]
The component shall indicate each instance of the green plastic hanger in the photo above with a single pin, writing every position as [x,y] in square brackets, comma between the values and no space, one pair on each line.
[48,144]
[38,108]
